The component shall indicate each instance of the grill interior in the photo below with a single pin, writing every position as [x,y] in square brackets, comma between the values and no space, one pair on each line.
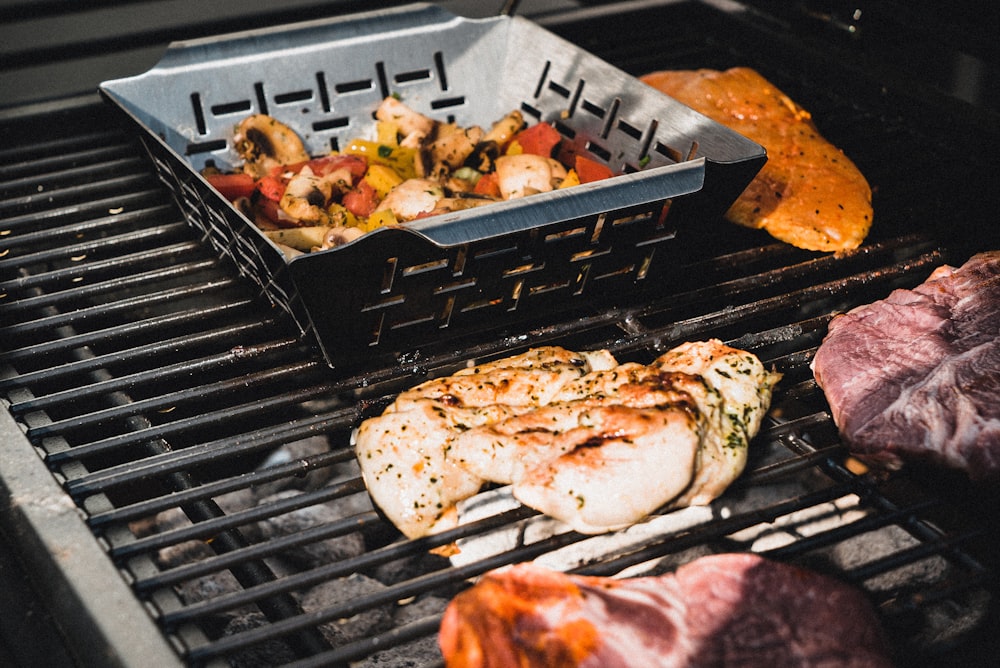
[206,449]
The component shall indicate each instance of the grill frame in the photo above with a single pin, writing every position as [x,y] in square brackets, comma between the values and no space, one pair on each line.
[632,332]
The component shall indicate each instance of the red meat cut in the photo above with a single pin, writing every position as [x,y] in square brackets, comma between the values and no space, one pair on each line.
[717,611]
[917,374]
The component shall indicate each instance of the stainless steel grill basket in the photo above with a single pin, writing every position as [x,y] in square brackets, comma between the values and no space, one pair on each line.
[441,278]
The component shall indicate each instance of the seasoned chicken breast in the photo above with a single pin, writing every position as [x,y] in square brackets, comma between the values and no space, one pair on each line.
[732,390]
[619,465]
[617,444]
[404,453]
[580,438]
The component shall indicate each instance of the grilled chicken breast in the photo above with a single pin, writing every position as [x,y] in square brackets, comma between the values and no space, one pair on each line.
[617,444]
[594,444]
[808,194]
[404,452]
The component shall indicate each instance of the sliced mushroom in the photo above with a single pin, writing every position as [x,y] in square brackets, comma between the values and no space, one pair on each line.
[526,174]
[412,198]
[265,142]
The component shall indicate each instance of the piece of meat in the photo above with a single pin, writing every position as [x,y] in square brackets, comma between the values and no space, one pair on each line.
[808,194]
[617,444]
[733,396]
[402,455]
[717,611]
[403,452]
[744,610]
[917,375]
[619,465]
[529,379]
[597,446]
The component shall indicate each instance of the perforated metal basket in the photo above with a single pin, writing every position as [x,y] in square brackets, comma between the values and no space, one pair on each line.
[443,277]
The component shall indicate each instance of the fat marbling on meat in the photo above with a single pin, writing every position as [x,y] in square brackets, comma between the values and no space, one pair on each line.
[917,375]
[716,611]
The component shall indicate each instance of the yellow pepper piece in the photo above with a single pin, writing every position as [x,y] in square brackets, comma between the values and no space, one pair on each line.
[514,148]
[340,215]
[382,179]
[380,218]
[399,158]
[572,179]
[387,132]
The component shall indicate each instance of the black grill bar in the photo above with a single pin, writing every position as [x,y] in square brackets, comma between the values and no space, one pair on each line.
[125,332]
[205,340]
[165,373]
[259,440]
[93,484]
[96,290]
[123,306]
[127,261]
[202,421]
[138,209]
[68,197]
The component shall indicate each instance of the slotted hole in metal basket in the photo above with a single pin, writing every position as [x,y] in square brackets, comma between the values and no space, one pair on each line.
[228,108]
[353,86]
[324,92]
[411,76]
[294,96]
[592,108]
[566,234]
[455,286]
[424,267]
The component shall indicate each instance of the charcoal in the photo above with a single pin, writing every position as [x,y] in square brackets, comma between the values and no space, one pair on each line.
[336,592]
[269,653]
[420,652]
[290,452]
[320,552]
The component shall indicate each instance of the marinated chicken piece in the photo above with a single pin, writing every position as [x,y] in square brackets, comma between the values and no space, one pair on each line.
[404,453]
[411,198]
[732,390]
[305,197]
[617,444]
[447,148]
[808,194]
[581,414]
[526,174]
[409,121]
[527,380]
[582,439]
[404,463]
[619,465]
[719,610]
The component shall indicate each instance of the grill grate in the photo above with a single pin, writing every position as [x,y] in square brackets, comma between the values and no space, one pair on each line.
[182,415]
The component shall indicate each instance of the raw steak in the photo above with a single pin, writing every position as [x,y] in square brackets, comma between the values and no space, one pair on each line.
[917,374]
[723,610]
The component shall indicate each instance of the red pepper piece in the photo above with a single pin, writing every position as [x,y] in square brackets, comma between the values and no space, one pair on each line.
[232,186]
[361,200]
[539,139]
[487,185]
[590,170]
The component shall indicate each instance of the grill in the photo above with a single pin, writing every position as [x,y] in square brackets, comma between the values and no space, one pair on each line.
[177,474]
